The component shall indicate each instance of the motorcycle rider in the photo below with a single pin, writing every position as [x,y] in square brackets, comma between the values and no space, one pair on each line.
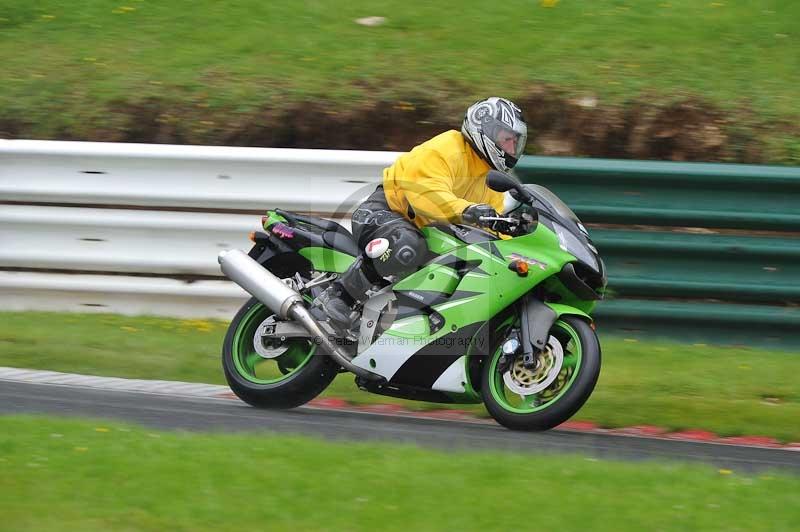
[440,180]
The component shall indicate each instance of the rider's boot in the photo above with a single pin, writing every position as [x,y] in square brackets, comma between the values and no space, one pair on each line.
[339,299]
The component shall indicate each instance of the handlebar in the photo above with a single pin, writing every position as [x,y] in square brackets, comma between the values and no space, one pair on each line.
[514,226]
[498,219]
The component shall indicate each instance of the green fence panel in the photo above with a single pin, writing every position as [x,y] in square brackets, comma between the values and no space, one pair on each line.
[681,265]
[667,193]
[758,326]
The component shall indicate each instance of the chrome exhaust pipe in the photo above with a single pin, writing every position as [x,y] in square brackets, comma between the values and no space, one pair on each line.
[283,301]
[258,281]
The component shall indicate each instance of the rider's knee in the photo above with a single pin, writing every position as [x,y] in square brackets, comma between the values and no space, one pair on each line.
[407,251]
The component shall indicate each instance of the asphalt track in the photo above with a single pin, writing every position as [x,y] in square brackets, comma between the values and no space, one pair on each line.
[215,414]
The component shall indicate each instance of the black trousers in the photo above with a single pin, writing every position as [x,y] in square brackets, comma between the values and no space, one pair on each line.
[374,219]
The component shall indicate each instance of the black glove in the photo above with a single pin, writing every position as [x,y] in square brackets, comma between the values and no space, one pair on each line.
[474,212]
[501,226]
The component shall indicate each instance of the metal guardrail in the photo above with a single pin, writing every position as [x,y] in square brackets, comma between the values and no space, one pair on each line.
[157,225]
[116,294]
[156,219]
[117,240]
[186,177]
[121,240]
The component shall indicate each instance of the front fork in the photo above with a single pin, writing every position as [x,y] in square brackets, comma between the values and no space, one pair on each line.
[536,320]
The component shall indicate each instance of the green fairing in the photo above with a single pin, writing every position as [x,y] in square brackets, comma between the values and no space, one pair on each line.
[568,299]
[495,287]
[433,277]
[472,395]
[326,259]
[322,259]
[483,292]
[412,327]
[567,309]
[493,284]
[438,241]
[462,294]
[272,219]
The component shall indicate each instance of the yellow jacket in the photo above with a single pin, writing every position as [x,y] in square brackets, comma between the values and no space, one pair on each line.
[437,180]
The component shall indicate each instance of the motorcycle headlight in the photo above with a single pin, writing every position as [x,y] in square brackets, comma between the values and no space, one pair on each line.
[572,245]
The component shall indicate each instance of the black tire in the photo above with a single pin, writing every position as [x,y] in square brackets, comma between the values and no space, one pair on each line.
[563,407]
[296,389]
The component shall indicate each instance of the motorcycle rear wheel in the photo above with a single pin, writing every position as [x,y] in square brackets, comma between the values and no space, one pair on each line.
[289,380]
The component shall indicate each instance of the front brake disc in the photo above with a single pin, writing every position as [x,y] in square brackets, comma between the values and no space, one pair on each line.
[524,381]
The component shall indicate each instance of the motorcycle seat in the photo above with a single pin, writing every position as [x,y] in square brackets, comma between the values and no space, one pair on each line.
[341,240]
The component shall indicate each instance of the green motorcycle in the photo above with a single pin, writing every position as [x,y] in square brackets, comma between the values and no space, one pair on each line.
[503,320]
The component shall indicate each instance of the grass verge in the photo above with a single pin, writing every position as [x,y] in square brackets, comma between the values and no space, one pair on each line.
[73,66]
[87,475]
[731,391]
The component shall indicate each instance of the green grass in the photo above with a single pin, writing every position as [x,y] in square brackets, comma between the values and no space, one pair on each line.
[731,391]
[64,62]
[95,475]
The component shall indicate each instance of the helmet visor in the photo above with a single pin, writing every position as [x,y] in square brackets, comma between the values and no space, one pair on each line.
[509,139]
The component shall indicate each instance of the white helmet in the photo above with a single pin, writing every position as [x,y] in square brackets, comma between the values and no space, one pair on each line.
[496,129]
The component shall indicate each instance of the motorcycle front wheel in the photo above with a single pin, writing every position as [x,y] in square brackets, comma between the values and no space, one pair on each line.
[546,395]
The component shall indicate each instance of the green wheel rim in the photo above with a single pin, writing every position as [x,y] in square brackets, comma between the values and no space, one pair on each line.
[573,354]
[256,369]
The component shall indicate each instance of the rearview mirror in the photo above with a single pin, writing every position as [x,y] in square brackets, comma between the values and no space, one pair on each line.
[500,182]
